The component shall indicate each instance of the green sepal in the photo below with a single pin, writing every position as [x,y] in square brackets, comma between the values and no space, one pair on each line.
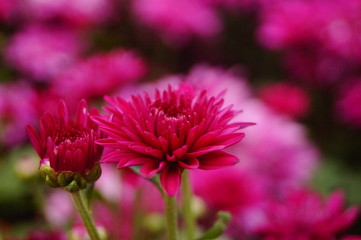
[219,226]
[50,182]
[63,180]
[81,181]
[47,171]
[72,187]
[70,181]
[94,173]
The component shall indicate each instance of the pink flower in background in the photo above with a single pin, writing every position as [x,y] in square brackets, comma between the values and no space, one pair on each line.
[319,67]
[7,8]
[229,189]
[349,105]
[177,21]
[67,145]
[58,208]
[305,215]
[232,189]
[286,99]
[142,197]
[109,184]
[277,149]
[280,28]
[80,13]
[322,43]
[99,75]
[216,79]
[42,53]
[174,130]
[17,109]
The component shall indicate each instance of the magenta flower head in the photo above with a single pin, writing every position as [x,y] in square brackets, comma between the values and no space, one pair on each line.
[69,155]
[174,130]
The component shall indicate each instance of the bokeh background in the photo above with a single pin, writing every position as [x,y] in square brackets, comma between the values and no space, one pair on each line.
[292,66]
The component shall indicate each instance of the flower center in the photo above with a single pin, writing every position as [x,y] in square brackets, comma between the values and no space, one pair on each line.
[71,134]
[171,109]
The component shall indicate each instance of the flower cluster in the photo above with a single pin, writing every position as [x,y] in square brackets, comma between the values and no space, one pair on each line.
[171,122]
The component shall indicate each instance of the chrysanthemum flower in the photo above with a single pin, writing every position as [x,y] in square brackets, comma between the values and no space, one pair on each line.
[177,129]
[305,215]
[69,155]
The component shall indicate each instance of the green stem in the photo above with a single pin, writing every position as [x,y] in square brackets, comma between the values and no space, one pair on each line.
[88,194]
[85,215]
[137,213]
[190,222]
[171,217]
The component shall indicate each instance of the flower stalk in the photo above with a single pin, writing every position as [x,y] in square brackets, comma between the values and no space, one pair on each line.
[171,216]
[189,219]
[85,215]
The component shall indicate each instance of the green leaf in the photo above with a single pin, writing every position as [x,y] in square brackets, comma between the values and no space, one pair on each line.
[219,226]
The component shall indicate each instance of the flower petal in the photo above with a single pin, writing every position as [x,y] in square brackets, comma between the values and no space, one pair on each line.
[215,160]
[35,140]
[170,179]
[229,139]
[81,114]
[151,167]
[146,150]
[189,162]
[79,161]
[206,150]
[63,113]
[107,142]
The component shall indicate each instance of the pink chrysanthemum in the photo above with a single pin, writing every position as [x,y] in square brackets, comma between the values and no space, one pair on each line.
[177,129]
[177,22]
[286,98]
[348,106]
[41,52]
[67,147]
[100,74]
[305,215]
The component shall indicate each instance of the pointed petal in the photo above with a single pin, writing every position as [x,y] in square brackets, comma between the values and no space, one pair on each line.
[229,139]
[151,167]
[107,142]
[79,161]
[113,156]
[335,203]
[63,114]
[68,162]
[180,152]
[52,153]
[146,150]
[205,140]
[35,140]
[217,159]
[82,114]
[189,162]
[170,179]
[132,160]
[206,150]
